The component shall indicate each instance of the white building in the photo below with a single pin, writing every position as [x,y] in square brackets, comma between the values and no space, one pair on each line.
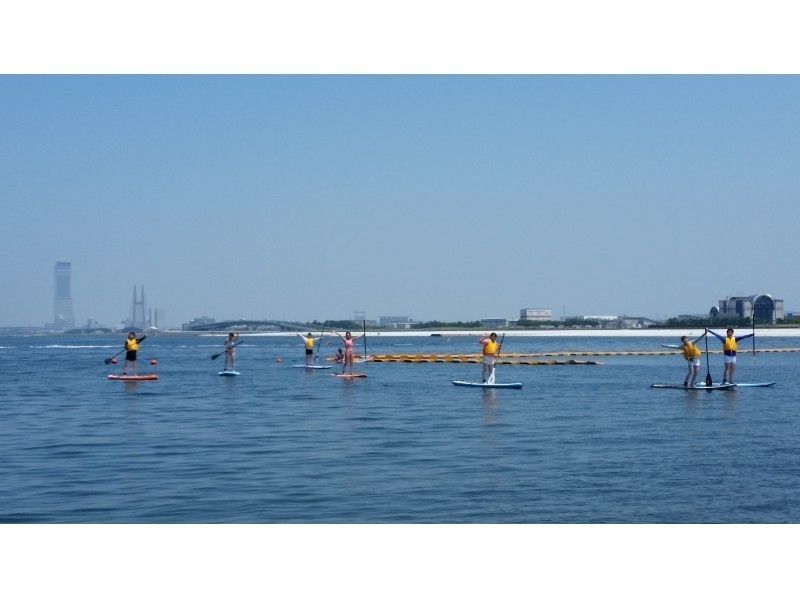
[536,314]
[396,322]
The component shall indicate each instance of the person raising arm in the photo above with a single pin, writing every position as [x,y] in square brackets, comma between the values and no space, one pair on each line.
[729,349]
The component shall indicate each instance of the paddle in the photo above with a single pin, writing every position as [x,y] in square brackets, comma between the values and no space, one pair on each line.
[215,355]
[500,346]
[321,334]
[709,382]
[365,343]
[108,360]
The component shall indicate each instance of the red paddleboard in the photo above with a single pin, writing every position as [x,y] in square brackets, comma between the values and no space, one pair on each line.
[140,377]
[349,376]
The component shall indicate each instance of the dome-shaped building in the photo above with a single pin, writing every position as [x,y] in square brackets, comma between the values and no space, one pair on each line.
[763,307]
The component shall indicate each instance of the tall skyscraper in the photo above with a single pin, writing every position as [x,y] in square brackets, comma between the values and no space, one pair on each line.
[63,318]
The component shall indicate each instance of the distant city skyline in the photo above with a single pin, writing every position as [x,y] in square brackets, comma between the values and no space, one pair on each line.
[438,197]
[141,316]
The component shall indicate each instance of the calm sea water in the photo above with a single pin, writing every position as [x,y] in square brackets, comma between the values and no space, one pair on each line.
[577,444]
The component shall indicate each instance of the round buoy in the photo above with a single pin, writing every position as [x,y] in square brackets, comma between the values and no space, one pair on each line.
[278,360]
[113,360]
[153,362]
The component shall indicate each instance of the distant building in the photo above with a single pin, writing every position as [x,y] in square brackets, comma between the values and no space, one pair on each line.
[494,322]
[636,322]
[536,314]
[396,322]
[202,321]
[621,322]
[766,309]
[63,317]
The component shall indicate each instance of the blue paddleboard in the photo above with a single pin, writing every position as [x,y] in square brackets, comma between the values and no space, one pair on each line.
[488,384]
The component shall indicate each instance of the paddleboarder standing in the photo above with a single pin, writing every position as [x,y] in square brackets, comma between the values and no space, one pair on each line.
[729,349]
[131,348]
[348,340]
[490,350]
[308,339]
[230,351]
[691,353]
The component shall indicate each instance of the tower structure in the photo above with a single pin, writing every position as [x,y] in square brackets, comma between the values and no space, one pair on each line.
[138,318]
[63,317]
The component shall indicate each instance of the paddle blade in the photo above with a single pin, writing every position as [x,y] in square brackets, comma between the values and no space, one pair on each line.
[107,360]
[709,382]
[215,356]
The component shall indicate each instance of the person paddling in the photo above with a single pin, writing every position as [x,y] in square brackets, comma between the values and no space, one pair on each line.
[230,352]
[691,353]
[309,343]
[490,350]
[131,348]
[349,341]
[729,349]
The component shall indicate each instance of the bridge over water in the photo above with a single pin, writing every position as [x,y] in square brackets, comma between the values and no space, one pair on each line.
[248,325]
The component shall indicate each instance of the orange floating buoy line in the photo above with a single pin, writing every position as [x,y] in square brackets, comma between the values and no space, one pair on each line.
[534,358]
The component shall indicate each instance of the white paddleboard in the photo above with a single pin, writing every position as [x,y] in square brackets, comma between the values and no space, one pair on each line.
[313,367]
[228,373]
[753,384]
[696,386]
[488,384]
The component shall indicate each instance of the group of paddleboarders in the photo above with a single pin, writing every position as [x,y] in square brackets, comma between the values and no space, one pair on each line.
[490,351]
[345,358]
[692,353]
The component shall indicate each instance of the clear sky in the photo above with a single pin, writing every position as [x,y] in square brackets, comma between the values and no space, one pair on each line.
[435,197]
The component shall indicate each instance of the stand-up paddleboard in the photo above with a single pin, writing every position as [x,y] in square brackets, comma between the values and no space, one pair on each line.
[137,378]
[489,384]
[696,386]
[753,384]
[313,367]
[349,376]
[228,373]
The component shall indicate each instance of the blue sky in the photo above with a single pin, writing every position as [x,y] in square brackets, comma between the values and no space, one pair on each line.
[436,197]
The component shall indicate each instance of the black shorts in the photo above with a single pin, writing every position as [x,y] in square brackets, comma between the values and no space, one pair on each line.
[309,351]
[130,355]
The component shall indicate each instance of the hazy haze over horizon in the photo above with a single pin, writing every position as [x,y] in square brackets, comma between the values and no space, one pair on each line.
[435,197]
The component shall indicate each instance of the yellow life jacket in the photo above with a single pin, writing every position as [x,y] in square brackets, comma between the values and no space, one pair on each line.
[131,344]
[490,348]
[690,351]
[309,343]
[729,344]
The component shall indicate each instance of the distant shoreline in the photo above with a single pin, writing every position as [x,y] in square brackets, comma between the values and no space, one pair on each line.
[638,333]
[675,333]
